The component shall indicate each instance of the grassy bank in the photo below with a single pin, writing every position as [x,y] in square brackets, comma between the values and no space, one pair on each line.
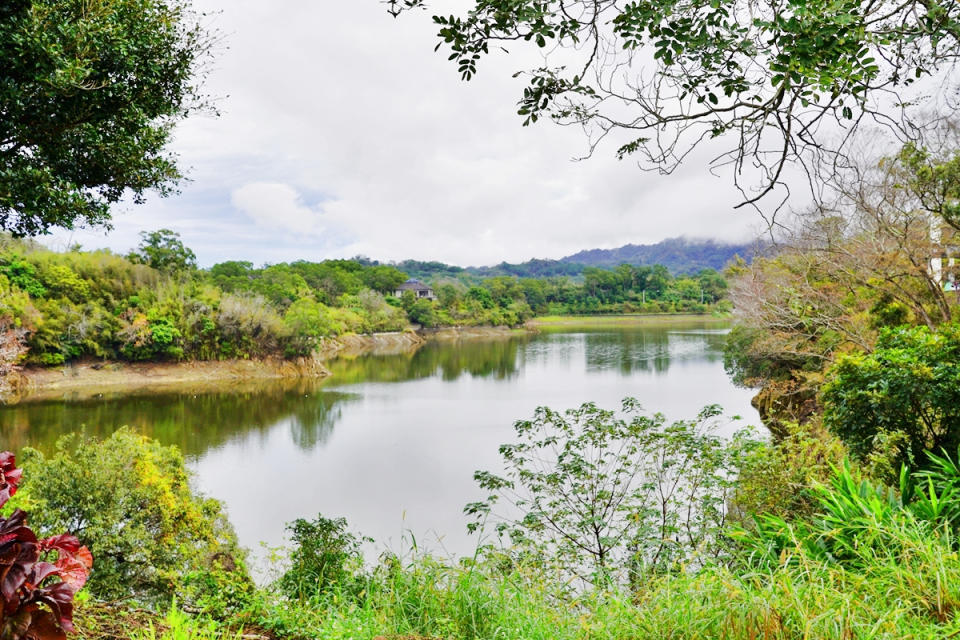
[625,320]
[911,596]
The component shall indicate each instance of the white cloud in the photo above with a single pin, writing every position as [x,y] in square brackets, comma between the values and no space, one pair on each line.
[277,206]
[351,109]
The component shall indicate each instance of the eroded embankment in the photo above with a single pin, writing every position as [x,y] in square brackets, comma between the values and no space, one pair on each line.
[91,379]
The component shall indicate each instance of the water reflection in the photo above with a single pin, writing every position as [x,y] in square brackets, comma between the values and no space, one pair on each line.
[494,358]
[193,422]
[196,422]
[391,441]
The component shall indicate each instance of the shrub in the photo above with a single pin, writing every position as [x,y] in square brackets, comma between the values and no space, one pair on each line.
[27,578]
[149,336]
[422,312]
[907,390]
[607,495]
[781,478]
[249,327]
[326,558]
[859,520]
[23,275]
[129,500]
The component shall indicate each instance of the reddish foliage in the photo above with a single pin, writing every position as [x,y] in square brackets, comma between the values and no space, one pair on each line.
[28,580]
[9,477]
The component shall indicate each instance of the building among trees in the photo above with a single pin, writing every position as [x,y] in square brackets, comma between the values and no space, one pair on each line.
[419,289]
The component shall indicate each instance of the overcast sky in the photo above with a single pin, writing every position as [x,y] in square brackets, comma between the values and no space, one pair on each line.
[342,133]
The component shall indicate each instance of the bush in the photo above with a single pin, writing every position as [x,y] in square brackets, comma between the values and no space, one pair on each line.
[326,558]
[129,500]
[781,478]
[249,327]
[906,393]
[610,496]
[422,312]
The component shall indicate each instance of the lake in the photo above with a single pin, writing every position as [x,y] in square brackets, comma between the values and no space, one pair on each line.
[391,442]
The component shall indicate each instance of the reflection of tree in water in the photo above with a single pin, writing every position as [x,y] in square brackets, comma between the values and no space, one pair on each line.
[193,422]
[652,349]
[312,422]
[481,358]
[198,422]
[628,351]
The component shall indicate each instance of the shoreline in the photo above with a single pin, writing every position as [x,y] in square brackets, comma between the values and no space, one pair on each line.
[95,378]
[623,319]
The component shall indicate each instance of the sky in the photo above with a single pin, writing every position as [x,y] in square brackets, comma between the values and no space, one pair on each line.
[341,133]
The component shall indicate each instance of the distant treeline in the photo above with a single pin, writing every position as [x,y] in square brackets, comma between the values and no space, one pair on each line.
[155,304]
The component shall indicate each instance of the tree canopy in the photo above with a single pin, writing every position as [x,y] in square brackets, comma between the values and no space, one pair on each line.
[163,250]
[904,396]
[89,93]
[787,79]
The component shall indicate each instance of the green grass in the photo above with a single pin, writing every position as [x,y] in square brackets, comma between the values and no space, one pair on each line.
[626,320]
[913,595]
[180,626]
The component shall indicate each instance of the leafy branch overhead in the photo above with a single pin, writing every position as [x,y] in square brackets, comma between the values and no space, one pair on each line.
[89,93]
[788,80]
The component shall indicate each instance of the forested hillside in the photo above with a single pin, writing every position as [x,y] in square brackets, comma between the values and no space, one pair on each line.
[679,255]
[155,304]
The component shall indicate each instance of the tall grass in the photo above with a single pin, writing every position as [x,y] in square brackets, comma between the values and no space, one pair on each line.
[912,593]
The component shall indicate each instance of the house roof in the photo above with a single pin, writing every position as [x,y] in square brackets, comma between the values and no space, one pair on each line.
[413,285]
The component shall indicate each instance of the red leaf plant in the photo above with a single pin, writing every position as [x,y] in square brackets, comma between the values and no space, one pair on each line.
[36,595]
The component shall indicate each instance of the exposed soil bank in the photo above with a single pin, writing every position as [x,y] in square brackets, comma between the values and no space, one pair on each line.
[470,333]
[89,379]
[377,344]
[83,380]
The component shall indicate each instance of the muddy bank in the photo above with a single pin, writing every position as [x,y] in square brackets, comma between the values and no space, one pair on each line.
[384,344]
[82,380]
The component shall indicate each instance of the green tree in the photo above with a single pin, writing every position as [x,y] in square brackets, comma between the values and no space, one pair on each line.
[481,296]
[713,285]
[614,495]
[163,250]
[901,400]
[89,93]
[384,278]
[423,312]
[767,73]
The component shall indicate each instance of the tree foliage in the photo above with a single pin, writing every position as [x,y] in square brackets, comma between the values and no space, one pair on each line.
[325,558]
[129,500]
[89,93]
[858,262]
[902,399]
[164,251]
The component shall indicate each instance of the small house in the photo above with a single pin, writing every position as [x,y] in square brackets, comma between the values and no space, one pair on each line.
[419,289]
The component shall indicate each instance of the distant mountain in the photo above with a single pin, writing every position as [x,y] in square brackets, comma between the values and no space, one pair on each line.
[677,254]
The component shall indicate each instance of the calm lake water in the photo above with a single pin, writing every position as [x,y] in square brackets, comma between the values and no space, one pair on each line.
[391,442]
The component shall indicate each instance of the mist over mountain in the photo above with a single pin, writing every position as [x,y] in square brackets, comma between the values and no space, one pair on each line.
[679,255]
